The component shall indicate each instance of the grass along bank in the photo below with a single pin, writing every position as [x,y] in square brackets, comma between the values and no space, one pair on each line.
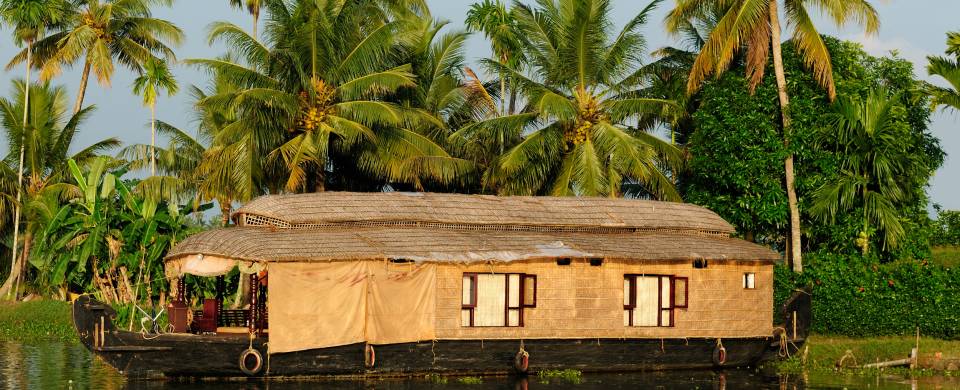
[948,256]
[36,320]
[825,351]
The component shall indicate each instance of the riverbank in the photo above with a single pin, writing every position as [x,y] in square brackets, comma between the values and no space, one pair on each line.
[948,256]
[937,357]
[36,320]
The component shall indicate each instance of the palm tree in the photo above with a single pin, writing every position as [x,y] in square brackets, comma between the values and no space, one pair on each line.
[948,69]
[103,33]
[754,26]
[498,24]
[666,76]
[424,157]
[253,7]
[201,163]
[47,140]
[318,91]
[29,19]
[575,137]
[156,77]
[872,175]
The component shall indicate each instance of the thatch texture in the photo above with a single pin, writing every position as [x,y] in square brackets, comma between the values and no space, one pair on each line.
[452,245]
[500,213]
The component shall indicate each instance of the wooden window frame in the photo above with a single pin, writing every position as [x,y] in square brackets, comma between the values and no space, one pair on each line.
[632,301]
[472,306]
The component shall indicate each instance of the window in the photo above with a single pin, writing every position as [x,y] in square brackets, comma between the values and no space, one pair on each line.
[649,300]
[496,299]
[749,281]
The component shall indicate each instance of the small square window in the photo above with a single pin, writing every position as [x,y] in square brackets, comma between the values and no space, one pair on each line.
[749,281]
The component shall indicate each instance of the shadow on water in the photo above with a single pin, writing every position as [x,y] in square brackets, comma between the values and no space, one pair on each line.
[57,365]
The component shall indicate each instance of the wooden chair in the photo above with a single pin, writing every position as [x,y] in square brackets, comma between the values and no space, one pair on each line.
[207,323]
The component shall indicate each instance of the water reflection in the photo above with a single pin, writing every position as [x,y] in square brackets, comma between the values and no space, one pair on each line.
[55,365]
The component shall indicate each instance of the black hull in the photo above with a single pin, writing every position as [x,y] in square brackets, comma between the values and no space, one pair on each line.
[186,355]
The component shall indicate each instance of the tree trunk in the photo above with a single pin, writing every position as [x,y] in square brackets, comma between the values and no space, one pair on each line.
[153,139]
[82,91]
[24,257]
[15,264]
[794,255]
[503,84]
[225,208]
[513,99]
[256,19]
[320,185]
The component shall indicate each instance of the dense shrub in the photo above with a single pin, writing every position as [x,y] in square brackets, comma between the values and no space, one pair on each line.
[946,229]
[853,296]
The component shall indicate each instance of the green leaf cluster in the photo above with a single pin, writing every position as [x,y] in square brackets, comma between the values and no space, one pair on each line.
[946,228]
[737,151]
[858,296]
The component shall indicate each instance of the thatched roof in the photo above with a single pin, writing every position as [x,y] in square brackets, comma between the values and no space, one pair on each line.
[465,228]
[448,245]
[537,213]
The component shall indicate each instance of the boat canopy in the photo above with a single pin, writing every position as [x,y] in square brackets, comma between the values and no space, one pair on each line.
[429,227]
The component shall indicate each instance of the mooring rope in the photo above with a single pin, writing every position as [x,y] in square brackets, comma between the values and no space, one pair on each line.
[785,342]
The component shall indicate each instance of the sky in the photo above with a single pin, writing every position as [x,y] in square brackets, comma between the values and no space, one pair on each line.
[909,27]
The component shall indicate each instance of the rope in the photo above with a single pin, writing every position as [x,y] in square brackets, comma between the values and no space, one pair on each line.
[785,342]
[267,346]
[144,332]
[848,354]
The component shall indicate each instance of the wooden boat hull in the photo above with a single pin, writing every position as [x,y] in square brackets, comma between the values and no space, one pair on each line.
[187,355]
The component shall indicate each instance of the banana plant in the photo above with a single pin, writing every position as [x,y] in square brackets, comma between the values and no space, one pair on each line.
[97,189]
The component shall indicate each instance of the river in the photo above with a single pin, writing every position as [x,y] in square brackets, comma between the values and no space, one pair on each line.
[58,365]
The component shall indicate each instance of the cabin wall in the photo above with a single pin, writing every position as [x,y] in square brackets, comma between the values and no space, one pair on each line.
[584,301]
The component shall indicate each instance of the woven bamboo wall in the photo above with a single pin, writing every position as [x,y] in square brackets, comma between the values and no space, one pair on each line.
[583,301]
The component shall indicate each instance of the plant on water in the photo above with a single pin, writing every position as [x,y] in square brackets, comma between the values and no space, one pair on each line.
[437,379]
[36,321]
[567,375]
[470,380]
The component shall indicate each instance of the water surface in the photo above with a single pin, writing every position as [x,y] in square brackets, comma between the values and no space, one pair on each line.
[58,365]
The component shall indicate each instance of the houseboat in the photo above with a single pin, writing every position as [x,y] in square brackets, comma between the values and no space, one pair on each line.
[383,284]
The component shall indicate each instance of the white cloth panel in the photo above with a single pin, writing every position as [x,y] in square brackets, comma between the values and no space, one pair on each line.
[491,300]
[514,284]
[467,297]
[647,312]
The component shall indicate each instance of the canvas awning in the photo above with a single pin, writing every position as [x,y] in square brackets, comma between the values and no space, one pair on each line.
[319,305]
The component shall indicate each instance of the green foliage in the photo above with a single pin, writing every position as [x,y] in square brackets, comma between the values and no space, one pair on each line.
[576,137]
[948,69]
[856,296]
[36,320]
[946,228]
[470,380]
[107,228]
[737,151]
[437,379]
[567,375]
[947,256]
